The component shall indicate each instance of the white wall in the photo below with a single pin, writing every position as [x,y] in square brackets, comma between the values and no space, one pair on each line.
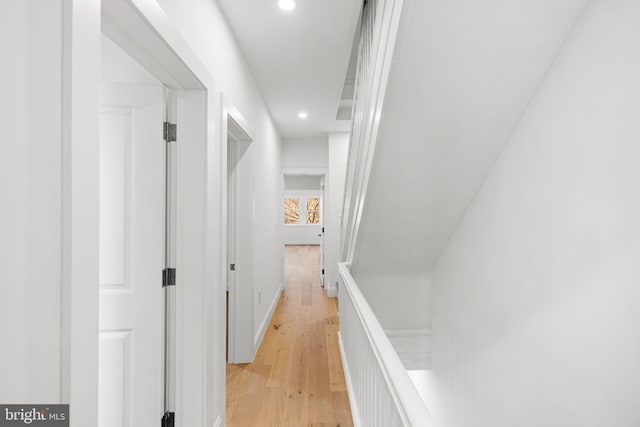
[30,187]
[302,182]
[535,299]
[305,153]
[399,301]
[334,196]
[32,179]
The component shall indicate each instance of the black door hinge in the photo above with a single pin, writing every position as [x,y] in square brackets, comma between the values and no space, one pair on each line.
[168,419]
[323,229]
[169,131]
[323,271]
[232,267]
[168,277]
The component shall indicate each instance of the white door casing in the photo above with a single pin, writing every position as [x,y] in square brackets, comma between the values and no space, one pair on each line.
[322,248]
[240,242]
[305,233]
[321,234]
[231,249]
[132,224]
[145,32]
[170,248]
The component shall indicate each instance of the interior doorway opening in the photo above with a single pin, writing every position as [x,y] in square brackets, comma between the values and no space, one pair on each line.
[239,294]
[137,242]
[303,212]
[145,88]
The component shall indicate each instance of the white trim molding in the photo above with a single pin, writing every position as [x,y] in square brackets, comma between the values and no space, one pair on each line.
[355,415]
[141,28]
[332,291]
[375,53]
[381,392]
[257,339]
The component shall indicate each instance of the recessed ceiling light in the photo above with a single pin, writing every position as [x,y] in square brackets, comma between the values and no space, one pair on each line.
[287,5]
[303,114]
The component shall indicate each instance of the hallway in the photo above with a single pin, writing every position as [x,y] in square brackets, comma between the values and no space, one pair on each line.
[296,378]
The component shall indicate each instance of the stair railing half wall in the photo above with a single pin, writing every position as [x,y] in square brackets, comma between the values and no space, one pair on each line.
[378,30]
[380,390]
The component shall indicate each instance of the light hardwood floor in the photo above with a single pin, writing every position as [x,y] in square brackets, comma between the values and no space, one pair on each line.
[296,378]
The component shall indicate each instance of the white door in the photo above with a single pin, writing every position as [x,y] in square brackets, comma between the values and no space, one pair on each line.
[132,227]
[322,275]
[321,235]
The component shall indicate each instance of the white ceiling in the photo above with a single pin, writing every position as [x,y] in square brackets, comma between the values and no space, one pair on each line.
[299,59]
[463,75]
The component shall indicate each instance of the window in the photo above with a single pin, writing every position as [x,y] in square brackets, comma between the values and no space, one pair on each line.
[291,210]
[313,210]
[308,213]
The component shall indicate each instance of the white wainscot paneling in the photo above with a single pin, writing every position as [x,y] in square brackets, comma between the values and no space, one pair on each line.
[413,347]
[381,392]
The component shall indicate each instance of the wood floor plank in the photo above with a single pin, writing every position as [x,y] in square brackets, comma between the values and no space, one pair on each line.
[235,386]
[296,378]
[341,409]
[254,384]
[273,410]
[336,374]
[319,379]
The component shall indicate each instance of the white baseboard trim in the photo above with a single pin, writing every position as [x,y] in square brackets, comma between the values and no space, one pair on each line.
[332,291]
[355,414]
[257,339]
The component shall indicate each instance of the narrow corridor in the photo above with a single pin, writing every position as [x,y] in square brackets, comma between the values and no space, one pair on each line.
[296,378]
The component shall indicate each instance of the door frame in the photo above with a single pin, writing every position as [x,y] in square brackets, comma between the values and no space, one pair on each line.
[239,310]
[324,173]
[147,34]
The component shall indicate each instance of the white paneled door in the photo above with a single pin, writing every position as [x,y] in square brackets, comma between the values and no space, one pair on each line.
[132,230]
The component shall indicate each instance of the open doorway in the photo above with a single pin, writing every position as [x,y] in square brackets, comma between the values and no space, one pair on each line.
[239,241]
[152,41]
[134,234]
[303,205]
[137,242]
[139,172]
